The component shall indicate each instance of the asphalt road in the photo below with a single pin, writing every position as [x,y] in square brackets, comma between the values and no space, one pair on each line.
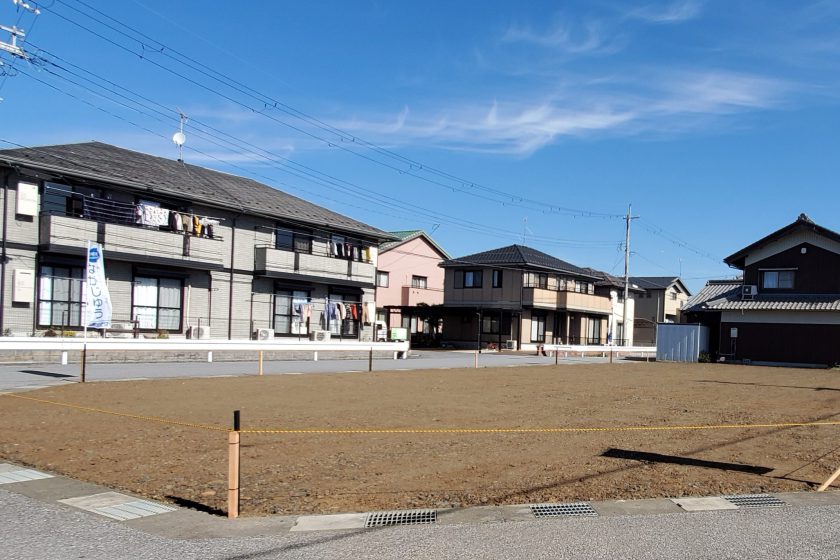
[27,376]
[35,530]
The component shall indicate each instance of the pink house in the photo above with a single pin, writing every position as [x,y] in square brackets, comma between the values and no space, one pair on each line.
[408,278]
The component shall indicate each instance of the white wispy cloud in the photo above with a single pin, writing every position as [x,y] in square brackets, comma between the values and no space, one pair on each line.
[589,37]
[674,12]
[649,103]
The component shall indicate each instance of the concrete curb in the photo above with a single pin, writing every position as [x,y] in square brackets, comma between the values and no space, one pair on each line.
[188,524]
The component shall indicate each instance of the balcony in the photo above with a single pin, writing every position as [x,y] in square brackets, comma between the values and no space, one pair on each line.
[65,234]
[543,298]
[132,243]
[412,296]
[539,297]
[282,263]
[574,301]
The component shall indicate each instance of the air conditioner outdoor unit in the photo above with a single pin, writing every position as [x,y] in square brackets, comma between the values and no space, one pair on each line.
[319,336]
[264,334]
[510,345]
[749,291]
[202,333]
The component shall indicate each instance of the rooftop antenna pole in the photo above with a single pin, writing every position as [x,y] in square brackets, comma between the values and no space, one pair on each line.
[524,228]
[179,137]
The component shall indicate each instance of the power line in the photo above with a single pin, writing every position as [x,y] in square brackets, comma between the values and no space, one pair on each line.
[310,174]
[268,103]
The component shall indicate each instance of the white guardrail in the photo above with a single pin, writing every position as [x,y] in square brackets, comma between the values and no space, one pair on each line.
[616,350]
[79,343]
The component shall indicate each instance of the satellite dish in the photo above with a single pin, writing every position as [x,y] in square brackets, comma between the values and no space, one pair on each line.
[179,138]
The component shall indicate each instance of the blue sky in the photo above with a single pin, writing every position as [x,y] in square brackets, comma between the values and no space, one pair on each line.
[485,122]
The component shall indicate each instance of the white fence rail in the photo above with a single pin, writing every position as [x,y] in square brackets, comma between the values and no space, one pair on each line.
[604,348]
[70,344]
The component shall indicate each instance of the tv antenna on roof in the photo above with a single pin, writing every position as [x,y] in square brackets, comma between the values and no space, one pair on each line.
[179,137]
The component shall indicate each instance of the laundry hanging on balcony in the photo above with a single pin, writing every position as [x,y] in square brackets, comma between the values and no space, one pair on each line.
[151,215]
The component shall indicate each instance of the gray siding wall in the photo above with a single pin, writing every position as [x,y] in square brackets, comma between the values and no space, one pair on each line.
[209,292]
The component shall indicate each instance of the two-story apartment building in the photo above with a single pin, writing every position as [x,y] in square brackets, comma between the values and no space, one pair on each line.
[408,282]
[661,301]
[519,297]
[786,308]
[188,250]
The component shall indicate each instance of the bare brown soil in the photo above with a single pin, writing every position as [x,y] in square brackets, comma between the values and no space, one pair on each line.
[307,473]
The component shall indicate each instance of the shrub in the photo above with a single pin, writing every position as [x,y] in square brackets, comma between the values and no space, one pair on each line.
[163,334]
[704,358]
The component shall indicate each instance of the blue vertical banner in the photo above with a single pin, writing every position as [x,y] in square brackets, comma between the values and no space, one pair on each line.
[97,298]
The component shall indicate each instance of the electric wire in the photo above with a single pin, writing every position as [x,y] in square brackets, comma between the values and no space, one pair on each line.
[331,181]
[455,184]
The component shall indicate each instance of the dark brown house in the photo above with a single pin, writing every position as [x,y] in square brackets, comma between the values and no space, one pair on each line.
[786,307]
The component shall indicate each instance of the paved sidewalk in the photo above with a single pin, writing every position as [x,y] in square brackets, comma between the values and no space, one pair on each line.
[32,376]
[60,518]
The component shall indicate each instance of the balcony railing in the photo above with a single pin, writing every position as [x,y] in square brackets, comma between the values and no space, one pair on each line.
[412,296]
[124,241]
[550,299]
[271,261]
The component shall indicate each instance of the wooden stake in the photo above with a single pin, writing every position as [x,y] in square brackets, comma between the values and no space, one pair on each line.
[370,359]
[476,359]
[233,468]
[261,362]
[828,482]
[84,363]
[611,355]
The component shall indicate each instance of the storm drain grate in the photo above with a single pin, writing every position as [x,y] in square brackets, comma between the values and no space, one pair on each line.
[576,509]
[409,517]
[754,500]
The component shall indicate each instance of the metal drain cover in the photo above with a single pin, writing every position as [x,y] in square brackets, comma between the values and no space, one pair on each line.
[754,500]
[576,509]
[406,517]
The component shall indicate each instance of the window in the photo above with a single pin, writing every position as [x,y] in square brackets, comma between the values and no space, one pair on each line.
[297,241]
[582,287]
[382,279]
[157,303]
[593,331]
[419,282]
[497,278]
[490,324]
[538,328]
[289,312]
[472,278]
[674,295]
[620,294]
[349,326]
[536,280]
[777,279]
[60,296]
[619,334]
[346,248]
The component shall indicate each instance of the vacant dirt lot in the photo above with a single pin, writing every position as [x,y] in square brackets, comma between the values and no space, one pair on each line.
[304,473]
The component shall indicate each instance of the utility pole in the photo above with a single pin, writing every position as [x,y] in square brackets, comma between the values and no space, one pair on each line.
[626,269]
[14,32]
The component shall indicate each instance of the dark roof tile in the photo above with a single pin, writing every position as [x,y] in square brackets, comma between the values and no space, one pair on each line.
[111,164]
